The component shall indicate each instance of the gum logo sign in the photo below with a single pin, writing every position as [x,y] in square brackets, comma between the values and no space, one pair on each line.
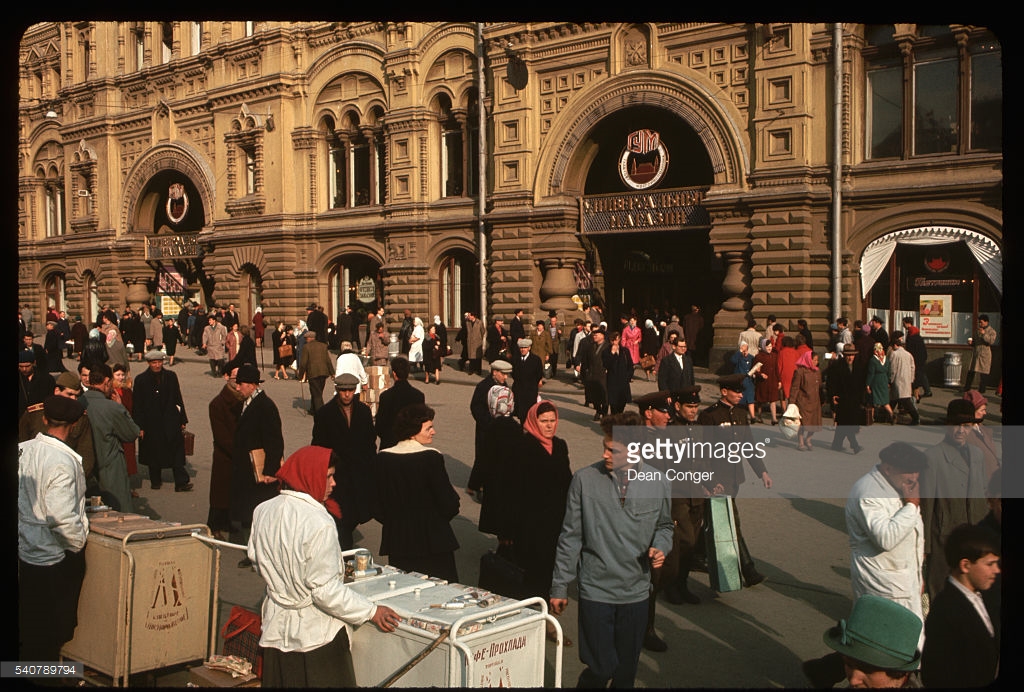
[167,598]
[504,663]
[644,160]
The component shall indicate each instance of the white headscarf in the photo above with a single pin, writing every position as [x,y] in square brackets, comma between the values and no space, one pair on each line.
[650,325]
[437,319]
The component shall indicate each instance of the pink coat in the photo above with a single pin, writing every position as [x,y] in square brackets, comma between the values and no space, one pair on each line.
[631,337]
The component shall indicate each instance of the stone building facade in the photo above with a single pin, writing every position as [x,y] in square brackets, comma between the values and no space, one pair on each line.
[635,165]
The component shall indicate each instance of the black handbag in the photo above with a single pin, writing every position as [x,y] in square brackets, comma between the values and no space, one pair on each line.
[500,575]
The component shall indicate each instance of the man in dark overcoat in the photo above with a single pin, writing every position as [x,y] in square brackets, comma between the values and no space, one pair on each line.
[225,408]
[846,391]
[159,411]
[527,378]
[257,451]
[345,425]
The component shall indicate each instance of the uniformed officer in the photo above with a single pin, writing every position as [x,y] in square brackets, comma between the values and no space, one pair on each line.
[655,409]
[687,498]
[730,423]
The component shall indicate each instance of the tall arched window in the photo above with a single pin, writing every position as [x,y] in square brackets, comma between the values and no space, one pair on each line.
[457,284]
[54,290]
[53,203]
[92,296]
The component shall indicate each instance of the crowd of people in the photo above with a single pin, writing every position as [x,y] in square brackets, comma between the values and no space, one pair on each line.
[85,433]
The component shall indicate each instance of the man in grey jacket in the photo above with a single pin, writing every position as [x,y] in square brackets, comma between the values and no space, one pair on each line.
[617,527]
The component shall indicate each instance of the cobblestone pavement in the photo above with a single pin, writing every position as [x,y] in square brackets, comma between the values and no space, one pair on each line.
[756,637]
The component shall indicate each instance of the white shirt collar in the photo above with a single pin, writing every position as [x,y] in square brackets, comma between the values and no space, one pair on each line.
[975,599]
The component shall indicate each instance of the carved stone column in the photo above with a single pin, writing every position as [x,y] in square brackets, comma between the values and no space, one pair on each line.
[556,255]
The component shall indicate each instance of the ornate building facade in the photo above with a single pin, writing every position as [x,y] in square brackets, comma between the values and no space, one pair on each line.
[633,165]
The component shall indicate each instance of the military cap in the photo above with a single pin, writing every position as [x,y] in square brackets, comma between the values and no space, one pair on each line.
[69,380]
[733,382]
[656,400]
[687,395]
[346,380]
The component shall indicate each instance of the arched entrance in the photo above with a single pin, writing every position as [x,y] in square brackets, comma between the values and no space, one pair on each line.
[457,287]
[355,281]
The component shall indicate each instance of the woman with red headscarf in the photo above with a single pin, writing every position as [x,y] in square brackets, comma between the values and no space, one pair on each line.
[308,611]
[544,475]
[805,392]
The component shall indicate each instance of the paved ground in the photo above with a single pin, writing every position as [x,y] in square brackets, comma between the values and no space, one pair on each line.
[756,637]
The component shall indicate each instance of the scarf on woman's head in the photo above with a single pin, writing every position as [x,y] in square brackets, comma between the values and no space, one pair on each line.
[533,427]
[306,472]
[806,361]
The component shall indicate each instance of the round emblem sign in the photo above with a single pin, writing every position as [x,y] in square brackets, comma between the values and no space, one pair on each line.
[366,290]
[644,160]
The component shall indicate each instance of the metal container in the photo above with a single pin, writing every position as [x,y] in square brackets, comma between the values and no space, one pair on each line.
[149,596]
[500,645]
[953,367]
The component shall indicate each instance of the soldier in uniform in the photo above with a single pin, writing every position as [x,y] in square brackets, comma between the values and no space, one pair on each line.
[731,423]
[687,499]
[655,410]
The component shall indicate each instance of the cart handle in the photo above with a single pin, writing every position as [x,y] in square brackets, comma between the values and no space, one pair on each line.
[535,600]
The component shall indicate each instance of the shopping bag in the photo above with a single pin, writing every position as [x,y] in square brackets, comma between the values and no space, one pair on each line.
[241,635]
[500,575]
[723,551]
[789,424]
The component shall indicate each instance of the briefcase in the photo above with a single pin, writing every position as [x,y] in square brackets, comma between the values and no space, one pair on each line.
[190,442]
[723,551]
[869,415]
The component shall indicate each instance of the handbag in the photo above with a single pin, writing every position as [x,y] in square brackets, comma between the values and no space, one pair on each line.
[789,423]
[285,350]
[241,635]
[190,442]
[648,362]
[500,575]
[722,546]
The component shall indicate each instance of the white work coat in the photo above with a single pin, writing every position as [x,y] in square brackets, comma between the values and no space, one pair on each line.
[886,542]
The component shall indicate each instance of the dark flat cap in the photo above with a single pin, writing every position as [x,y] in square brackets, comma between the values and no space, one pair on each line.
[61,409]
[248,374]
[961,411]
[904,457]
[26,356]
[346,380]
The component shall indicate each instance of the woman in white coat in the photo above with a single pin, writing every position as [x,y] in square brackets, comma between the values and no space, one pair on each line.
[416,341]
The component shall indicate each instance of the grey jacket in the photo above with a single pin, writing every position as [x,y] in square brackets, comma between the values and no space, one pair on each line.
[604,543]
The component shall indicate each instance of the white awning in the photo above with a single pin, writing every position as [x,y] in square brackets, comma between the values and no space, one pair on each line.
[876,255]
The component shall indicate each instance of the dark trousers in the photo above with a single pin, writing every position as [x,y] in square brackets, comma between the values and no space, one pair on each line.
[316,392]
[845,432]
[907,404]
[610,638]
[922,381]
[48,605]
[473,366]
[180,474]
[981,380]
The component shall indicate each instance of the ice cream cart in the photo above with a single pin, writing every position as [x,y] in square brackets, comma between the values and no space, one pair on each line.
[149,597]
[488,640]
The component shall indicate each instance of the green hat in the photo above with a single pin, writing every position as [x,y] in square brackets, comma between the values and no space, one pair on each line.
[880,632]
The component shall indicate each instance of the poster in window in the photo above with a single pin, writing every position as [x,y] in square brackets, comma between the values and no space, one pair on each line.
[936,316]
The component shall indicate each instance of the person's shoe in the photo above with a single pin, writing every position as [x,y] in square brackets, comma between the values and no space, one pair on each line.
[699,564]
[926,395]
[856,450]
[687,595]
[155,486]
[753,577]
[597,417]
[652,642]
[186,487]
[244,562]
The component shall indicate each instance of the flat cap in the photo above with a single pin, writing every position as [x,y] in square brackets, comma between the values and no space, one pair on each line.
[69,380]
[310,334]
[346,380]
[904,457]
[61,409]
[524,343]
[501,366]
[155,354]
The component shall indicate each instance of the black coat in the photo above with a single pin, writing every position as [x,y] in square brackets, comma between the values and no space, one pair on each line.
[620,373]
[671,377]
[848,386]
[316,321]
[392,400]
[958,650]
[482,415]
[355,443]
[34,391]
[348,330]
[526,377]
[498,475]
[159,411]
[259,427]
[417,504]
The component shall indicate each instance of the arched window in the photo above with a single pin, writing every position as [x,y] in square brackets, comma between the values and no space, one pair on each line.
[356,161]
[53,203]
[458,289]
[53,287]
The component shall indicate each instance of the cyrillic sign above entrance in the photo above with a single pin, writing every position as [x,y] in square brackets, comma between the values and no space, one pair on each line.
[664,210]
[172,247]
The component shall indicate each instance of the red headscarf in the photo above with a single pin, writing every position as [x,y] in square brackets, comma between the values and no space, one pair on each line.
[306,472]
[533,427]
[806,361]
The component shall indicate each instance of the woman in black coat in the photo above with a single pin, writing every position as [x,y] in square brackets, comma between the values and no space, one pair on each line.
[544,475]
[95,349]
[416,500]
[619,365]
[496,472]
[171,338]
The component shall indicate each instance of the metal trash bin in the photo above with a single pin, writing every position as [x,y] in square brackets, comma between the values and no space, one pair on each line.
[149,597]
[952,366]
